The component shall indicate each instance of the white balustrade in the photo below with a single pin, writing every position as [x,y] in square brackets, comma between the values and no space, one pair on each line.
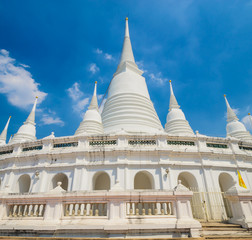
[149,208]
[85,209]
[26,210]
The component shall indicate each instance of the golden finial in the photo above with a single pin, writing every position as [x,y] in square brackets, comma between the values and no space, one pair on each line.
[95,82]
[36,96]
[248,113]
[224,95]
[169,80]
[10,116]
[126,18]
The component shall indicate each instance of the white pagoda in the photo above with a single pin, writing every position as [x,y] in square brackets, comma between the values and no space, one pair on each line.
[122,174]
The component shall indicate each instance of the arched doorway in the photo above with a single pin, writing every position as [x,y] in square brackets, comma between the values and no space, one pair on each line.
[101,181]
[189,181]
[60,177]
[23,184]
[226,181]
[143,180]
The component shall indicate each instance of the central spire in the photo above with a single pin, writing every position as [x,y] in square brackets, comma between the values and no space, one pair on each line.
[128,105]
[127,57]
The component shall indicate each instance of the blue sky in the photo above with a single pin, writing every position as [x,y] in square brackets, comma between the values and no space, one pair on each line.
[57,49]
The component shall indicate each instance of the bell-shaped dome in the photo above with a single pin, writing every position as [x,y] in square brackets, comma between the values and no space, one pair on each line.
[92,122]
[176,122]
[27,132]
[128,104]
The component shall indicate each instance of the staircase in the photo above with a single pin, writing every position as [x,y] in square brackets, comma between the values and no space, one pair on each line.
[219,230]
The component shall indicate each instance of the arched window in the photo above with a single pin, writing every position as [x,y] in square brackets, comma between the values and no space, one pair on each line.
[60,177]
[143,180]
[101,181]
[23,184]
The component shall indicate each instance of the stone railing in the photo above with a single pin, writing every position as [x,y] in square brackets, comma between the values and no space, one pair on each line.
[26,210]
[85,209]
[149,208]
[96,210]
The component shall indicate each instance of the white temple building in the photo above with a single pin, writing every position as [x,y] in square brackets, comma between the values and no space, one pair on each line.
[122,174]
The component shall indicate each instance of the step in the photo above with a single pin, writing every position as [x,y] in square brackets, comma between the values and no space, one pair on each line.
[226,237]
[226,225]
[225,229]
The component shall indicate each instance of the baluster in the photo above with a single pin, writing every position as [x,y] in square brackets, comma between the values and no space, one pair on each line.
[76,208]
[30,210]
[131,209]
[15,208]
[85,209]
[158,208]
[82,206]
[20,210]
[25,211]
[70,209]
[41,208]
[35,210]
[168,209]
[143,211]
[67,210]
[155,209]
[88,209]
[137,209]
[162,209]
[149,209]
[11,210]
[91,209]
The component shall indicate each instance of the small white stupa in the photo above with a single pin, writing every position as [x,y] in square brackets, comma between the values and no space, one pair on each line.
[27,132]
[4,133]
[128,106]
[176,122]
[92,122]
[234,127]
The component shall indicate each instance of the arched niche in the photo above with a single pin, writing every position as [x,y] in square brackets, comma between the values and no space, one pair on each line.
[226,181]
[23,184]
[188,180]
[101,181]
[143,180]
[60,177]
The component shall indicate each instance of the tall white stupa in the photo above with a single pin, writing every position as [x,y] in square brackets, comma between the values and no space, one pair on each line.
[176,122]
[27,132]
[128,104]
[234,127]
[92,122]
[4,133]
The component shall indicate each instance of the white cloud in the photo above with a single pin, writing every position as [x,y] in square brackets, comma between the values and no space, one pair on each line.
[98,51]
[157,78]
[74,92]
[80,100]
[81,104]
[140,65]
[17,83]
[108,56]
[247,120]
[48,120]
[93,68]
